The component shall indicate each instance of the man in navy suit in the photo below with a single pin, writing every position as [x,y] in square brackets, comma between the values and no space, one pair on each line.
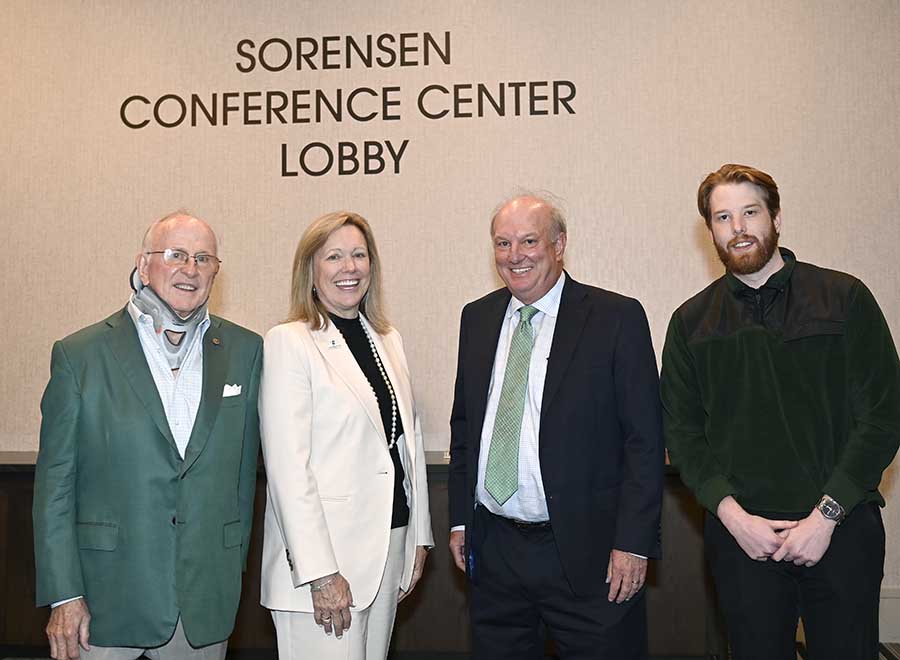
[556,453]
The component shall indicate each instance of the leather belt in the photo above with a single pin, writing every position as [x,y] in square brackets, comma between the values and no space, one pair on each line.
[524,524]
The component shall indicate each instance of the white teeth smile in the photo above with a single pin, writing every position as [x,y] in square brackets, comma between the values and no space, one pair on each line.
[347,283]
[186,287]
[519,271]
[743,244]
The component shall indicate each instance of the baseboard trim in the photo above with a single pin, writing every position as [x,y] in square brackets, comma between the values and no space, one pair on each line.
[889,615]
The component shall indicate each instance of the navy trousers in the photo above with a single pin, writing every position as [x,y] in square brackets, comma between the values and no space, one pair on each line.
[518,590]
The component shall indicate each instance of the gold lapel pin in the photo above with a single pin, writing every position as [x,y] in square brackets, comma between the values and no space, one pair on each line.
[216,341]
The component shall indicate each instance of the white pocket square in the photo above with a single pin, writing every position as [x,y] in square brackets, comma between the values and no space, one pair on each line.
[231,390]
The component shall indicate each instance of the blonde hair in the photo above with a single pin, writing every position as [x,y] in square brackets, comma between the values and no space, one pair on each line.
[305,305]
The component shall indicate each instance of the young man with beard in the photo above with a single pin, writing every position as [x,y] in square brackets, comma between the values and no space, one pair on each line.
[781,397]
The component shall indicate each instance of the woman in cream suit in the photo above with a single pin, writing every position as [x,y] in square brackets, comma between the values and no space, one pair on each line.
[347,523]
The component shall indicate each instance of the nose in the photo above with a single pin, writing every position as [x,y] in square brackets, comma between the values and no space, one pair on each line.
[515,253]
[190,268]
[738,226]
[347,263]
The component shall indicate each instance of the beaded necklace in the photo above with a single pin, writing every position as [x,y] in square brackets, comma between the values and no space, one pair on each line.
[393,438]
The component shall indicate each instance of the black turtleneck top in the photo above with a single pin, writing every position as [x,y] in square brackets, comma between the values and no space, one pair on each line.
[355,336]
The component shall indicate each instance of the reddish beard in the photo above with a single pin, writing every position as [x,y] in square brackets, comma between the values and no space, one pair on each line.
[752,261]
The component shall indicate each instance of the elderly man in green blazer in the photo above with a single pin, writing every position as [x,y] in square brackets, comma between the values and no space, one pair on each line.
[146,473]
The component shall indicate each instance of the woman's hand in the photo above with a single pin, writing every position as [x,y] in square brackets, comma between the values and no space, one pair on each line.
[332,601]
[418,567]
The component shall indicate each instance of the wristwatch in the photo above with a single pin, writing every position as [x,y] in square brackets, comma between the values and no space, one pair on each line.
[830,508]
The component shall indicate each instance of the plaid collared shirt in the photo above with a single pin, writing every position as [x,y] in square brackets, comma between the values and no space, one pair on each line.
[180,392]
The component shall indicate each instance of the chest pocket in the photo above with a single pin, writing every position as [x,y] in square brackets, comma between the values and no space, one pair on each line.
[232,401]
[814,328]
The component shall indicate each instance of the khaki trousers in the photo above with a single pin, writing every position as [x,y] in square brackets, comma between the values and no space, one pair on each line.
[177,648]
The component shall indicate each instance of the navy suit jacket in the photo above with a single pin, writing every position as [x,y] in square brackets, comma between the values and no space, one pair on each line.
[601,447]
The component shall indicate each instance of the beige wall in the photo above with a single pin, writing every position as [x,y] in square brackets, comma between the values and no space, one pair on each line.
[666,92]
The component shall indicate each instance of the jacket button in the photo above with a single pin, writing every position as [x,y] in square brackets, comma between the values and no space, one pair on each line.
[173,520]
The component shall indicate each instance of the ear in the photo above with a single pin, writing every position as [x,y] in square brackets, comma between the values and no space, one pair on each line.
[560,245]
[141,262]
[777,222]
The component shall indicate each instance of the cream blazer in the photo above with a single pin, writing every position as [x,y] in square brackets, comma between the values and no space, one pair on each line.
[330,475]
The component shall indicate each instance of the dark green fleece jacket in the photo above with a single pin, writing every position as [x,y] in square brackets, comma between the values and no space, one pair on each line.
[779,394]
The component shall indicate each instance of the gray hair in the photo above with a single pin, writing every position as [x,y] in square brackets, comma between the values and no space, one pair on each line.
[548,199]
[182,212]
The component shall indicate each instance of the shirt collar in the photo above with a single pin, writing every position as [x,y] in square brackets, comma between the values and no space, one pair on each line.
[548,303]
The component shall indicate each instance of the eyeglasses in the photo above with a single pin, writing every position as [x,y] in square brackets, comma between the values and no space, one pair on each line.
[174,257]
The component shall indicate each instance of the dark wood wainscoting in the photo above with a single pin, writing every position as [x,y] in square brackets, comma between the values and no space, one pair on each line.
[682,617]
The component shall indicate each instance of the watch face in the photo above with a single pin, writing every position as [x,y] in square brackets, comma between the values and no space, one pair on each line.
[830,510]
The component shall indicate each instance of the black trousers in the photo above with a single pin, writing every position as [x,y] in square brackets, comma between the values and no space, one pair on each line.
[837,598]
[518,588]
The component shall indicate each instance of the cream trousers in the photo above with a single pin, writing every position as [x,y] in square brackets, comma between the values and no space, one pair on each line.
[369,636]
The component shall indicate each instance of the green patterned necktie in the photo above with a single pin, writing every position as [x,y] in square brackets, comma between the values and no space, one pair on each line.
[501,477]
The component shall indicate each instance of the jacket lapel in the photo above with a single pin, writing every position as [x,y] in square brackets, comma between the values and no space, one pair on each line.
[215,368]
[334,349]
[573,313]
[483,352]
[125,345]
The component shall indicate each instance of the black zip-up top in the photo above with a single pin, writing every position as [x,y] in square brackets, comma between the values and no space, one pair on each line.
[780,394]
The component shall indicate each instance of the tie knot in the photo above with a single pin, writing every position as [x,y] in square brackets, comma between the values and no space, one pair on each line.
[526,313]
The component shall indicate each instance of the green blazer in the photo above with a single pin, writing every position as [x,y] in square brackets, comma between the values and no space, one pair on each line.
[119,517]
